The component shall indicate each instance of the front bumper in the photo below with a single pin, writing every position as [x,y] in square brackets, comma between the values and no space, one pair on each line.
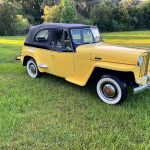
[146,85]
[18,58]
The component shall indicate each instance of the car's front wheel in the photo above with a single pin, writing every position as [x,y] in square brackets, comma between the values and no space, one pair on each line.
[32,69]
[111,90]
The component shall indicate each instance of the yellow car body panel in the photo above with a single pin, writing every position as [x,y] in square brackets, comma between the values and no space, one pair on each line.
[63,63]
[119,60]
[60,64]
[77,67]
[81,77]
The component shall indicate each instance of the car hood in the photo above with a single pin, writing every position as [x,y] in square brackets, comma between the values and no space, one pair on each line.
[115,54]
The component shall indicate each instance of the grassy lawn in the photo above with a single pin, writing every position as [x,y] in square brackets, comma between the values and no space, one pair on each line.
[134,39]
[50,113]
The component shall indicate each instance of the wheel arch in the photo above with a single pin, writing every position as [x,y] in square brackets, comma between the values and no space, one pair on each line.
[126,76]
[26,59]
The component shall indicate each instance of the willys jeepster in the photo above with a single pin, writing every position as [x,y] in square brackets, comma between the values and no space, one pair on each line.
[77,52]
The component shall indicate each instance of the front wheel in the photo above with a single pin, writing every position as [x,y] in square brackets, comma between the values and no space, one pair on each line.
[32,69]
[111,90]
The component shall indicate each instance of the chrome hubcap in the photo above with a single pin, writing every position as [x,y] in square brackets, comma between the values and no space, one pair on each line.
[109,90]
[32,69]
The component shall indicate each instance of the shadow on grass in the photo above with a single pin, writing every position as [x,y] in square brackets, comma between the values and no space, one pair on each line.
[90,87]
[132,100]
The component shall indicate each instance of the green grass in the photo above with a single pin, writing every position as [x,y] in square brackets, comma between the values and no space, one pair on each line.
[50,113]
[134,39]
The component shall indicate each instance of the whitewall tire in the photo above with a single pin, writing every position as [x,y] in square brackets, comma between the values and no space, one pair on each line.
[32,69]
[111,90]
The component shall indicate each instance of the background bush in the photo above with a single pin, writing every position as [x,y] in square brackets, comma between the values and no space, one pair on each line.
[52,14]
[109,15]
[22,25]
[7,19]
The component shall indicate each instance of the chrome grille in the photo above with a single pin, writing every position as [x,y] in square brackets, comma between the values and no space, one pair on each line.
[144,67]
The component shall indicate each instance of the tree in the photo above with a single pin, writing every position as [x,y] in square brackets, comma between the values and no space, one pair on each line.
[102,14]
[64,12]
[84,7]
[50,2]
[7,18]
[126,11]
[22,25]
[52,14]
[68,11]
[32,10]
[115,15]
[144,14]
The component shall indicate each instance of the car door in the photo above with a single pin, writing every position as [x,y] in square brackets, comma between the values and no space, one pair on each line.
[42,52]
[63,55]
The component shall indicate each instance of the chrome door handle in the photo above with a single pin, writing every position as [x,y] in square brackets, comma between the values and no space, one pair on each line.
[98,58]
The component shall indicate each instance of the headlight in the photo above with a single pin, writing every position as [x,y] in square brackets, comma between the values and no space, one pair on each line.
[140,61]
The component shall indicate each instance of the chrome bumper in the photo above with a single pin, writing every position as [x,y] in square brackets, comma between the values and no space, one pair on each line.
[143,87]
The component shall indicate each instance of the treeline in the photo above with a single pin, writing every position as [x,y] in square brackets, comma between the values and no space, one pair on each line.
[109,15]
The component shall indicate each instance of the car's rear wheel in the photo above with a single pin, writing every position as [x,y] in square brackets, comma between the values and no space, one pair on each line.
[32,69]
[111,90]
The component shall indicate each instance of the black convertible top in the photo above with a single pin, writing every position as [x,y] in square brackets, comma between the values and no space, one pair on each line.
[60,25]
[34,29]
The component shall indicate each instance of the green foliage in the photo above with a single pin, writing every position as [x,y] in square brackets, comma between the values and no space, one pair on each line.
[108,15]
[64,12]
[68,11]
[111,15]
[32,10]
[11,23]
[52,14]
[50,2]
[115,26]
[102,15]
[22,25]
[7,19]
[83,20]
[144,12]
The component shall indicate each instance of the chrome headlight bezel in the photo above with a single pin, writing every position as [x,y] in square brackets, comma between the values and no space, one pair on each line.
[140,61]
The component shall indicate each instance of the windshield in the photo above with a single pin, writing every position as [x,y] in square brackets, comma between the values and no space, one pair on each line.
[85,36]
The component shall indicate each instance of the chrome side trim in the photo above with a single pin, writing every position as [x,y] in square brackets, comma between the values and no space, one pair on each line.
[42,66]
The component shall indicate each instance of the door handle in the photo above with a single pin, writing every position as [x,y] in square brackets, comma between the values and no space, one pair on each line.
[98,58]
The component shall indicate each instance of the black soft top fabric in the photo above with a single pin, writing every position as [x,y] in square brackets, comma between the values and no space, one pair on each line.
[34,29]
[61,25]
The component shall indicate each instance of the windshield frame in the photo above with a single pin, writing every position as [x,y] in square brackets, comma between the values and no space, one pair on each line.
[94,40]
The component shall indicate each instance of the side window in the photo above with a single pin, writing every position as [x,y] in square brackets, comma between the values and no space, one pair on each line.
[42,36]
[57,39]
[87,36]
[77,36]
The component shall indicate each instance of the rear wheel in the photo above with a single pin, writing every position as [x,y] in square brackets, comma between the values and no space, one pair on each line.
[32,69]
[111,90]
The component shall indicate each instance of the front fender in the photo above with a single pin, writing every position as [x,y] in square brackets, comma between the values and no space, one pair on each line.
[119,67]
[113,67]
[82,77]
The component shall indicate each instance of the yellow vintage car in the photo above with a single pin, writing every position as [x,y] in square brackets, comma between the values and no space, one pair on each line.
[77,52]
